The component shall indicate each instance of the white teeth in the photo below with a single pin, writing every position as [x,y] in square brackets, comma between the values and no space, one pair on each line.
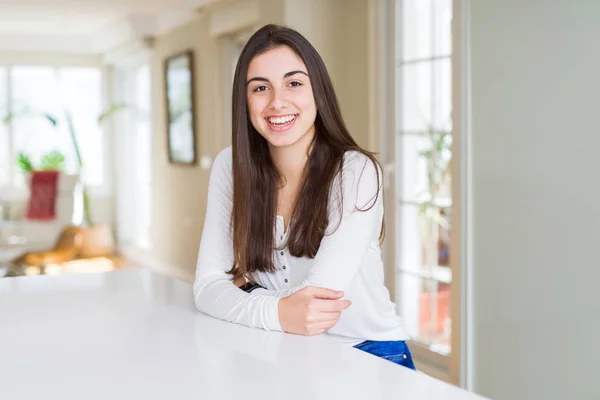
[282,120]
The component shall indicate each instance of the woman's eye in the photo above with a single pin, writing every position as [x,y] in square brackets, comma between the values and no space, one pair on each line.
[295,84]
[261,88]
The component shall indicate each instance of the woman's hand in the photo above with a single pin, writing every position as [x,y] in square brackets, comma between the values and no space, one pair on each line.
[311,311]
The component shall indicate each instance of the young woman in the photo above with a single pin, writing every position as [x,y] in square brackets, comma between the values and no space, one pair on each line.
[294,219]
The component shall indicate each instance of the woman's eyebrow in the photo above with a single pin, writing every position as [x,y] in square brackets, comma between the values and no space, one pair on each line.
[257,78]
[294,73]
[287,75]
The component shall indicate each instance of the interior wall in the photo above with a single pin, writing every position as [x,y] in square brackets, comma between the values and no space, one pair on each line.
[179,192]
[534,101]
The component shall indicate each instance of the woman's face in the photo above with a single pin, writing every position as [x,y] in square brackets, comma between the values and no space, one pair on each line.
[280,98]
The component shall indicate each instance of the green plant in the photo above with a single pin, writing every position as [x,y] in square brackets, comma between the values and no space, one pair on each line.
[25,163]
[110,111]
[438,156]
[52,161]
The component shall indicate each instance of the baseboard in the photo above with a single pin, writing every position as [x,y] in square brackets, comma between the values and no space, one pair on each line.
[144,258]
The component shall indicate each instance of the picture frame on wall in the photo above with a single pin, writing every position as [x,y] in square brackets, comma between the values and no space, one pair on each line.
[180,106]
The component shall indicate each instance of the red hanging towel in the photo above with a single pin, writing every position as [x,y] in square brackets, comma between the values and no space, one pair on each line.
[42,199]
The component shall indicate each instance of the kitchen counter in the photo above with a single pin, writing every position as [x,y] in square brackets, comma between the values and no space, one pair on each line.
[136,334]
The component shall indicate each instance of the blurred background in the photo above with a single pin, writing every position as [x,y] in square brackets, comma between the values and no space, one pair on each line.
[483,113]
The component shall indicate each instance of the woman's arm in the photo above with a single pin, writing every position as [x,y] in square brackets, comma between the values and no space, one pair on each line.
[214,292]
[302,310]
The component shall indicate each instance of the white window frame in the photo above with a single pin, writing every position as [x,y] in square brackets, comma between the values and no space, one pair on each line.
[452,368]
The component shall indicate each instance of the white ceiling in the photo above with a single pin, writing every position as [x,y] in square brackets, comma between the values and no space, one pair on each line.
[87,26]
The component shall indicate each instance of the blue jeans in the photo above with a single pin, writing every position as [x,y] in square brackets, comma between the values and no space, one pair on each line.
[396,351]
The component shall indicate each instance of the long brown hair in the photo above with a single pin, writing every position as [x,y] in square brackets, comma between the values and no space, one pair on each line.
[256,178]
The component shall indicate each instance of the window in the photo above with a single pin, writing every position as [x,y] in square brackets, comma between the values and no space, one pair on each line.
[134,157]
[4,138]
[423,195]
[29,92]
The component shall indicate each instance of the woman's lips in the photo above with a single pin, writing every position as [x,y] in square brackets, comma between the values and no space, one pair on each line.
[281,127]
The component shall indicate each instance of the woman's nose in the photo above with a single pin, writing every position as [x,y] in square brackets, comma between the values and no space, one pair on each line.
[278,100]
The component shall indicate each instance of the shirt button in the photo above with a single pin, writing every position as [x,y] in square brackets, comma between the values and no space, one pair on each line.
[286,281]
[284,267]
[282,238]
[281,253]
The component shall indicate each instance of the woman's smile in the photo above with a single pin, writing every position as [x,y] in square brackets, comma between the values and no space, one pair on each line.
[281,123]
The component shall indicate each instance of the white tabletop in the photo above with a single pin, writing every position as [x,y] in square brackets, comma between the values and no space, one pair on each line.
[135,334]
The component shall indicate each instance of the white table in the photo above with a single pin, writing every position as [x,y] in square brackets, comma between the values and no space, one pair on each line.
[134,334]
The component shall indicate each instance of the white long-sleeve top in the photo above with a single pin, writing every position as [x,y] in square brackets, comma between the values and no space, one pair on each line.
[348,259]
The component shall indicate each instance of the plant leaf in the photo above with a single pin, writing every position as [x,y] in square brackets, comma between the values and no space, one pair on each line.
[111,111]
[51,119]
[24,162]
[74,141]
[53,161]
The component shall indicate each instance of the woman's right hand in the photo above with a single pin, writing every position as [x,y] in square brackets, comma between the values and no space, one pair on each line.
[311,310]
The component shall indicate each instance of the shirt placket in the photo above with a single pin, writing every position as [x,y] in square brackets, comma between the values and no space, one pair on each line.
[282,256]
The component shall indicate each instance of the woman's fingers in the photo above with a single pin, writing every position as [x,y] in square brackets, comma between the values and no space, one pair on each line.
[311,310]
[331,305]
[323,293]
[324,325]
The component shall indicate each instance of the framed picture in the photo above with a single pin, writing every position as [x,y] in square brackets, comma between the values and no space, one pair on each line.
[181,123]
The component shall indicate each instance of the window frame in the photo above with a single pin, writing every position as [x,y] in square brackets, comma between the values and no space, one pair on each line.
[452,368]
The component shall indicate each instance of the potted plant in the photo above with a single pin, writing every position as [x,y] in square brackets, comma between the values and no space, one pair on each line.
[51,161]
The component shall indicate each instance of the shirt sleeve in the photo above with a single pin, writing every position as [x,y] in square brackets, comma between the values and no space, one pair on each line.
[214,292]
[354,225]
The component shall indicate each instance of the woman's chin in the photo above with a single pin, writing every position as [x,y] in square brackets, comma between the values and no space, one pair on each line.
[291,138]
[282,139]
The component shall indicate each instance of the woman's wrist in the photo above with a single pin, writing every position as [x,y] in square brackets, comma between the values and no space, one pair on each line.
[250,287]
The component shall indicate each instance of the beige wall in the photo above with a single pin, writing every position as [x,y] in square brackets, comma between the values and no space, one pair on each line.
[339,34]
[179,193]
[338,30]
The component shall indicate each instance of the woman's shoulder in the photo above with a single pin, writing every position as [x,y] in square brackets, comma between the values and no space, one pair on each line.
[359,181]
[223,160]
[359,162]
[224,156]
